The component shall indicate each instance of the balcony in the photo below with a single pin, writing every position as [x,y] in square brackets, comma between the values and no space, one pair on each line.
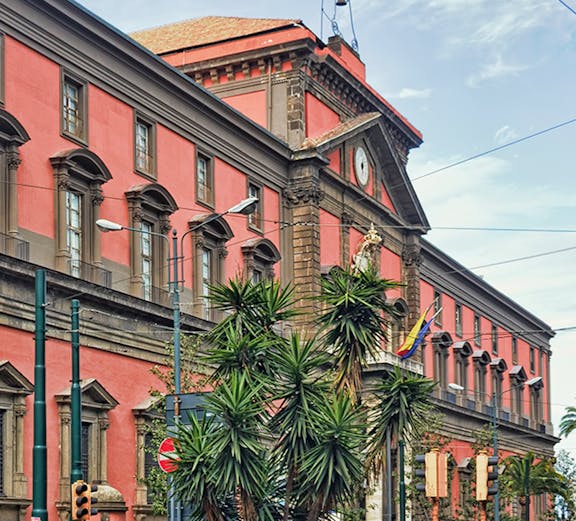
[14,247]
[389,358]
[90,272]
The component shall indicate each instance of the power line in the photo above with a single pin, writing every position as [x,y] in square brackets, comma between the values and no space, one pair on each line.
[567,6]
[495,149]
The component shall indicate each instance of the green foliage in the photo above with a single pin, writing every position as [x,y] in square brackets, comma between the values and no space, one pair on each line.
[566,466]
[568,421]
[354,321]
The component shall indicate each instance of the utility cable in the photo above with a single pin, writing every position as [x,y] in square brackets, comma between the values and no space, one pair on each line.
[573,11]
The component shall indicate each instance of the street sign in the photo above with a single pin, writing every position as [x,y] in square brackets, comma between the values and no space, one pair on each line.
[167,455]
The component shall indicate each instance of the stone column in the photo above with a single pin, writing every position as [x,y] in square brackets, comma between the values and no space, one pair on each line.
[411,261]
[20,489]
[12,163]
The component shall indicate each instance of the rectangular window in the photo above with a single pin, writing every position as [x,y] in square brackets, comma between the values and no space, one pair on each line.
[2,74]
[204,180]
[150,463]
[144,146]
[206,280]
[146,256]
[532,359]
[438,308]
[85,450]
[74,108]
[477,331]
[255,218]
[494,337]
[74,231]
[514,350]
[458,320]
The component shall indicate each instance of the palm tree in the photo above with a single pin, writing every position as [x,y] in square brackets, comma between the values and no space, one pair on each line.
[403,405]
[523,478]
[354,321]
[568,421]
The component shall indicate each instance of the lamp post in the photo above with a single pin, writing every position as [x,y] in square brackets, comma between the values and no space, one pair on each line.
[244,207]
[494,417]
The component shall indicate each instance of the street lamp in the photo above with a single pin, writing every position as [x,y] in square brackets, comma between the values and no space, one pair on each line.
[244,207]
[494,413]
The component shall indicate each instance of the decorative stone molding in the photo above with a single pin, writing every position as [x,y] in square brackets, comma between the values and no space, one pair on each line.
[295,196]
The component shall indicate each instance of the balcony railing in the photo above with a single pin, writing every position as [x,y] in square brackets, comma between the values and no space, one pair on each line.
[14,247]
[387,357]
[90,272]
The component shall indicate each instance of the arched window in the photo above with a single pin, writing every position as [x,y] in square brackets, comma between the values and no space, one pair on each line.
[150,206]
[462,351]
[79,176]
[260,255]
[210,252]
[517,380]
[12,136]
[396,325]
[498,367]
[481,359]
[441,341]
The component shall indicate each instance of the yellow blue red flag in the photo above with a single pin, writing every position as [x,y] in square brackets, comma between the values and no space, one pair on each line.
[414,338]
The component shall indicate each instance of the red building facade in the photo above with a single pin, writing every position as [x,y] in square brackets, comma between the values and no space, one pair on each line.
[94,126]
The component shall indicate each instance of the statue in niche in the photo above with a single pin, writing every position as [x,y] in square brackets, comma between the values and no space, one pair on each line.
[365,256]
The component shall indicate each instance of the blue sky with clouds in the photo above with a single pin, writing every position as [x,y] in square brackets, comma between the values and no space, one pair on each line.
[472,75]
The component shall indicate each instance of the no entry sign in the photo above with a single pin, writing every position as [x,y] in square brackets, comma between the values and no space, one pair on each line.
[167,455]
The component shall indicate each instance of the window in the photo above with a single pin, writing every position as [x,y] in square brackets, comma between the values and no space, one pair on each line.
[144,146]
[255,218]
[74,108]
[79,176]
[494,338]
[260,256]
[150,207]
[74,231]
[462,352]
[438,308]
[481,360]
[14,388]
[2,74]
[12,137]
[96,405]
[477,331]
[441,341]
[204,179]
[458,320]
[532,359]
[208,267]
[514,350]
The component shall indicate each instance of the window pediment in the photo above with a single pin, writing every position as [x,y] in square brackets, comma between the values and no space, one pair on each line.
[154,197]
[399,305]
[11,130]
[94,395]
[13,381]
[463,348]
[499,365]
[442,339]
[518,373]
[81,162]
[212,225]
[482,357]
[262,249]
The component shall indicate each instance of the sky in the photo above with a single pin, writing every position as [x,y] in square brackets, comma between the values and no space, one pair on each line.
[473,76]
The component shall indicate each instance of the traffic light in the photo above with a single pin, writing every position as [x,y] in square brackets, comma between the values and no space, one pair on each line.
[435,473]
[486,472]
[82,501]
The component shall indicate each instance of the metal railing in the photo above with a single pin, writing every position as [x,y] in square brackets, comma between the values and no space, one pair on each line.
[14,247]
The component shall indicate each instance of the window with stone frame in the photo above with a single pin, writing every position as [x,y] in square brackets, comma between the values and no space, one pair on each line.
[514,350]
[477,330]
[2,69]
[144,146]
[536,404]
[146,414]
[79,176]
[481,359]
[204,179]
[437,308]
[255,219]
[74,107]
[532,359]
[12,137]
[149,208]
[260,256]
[458,320]
[209,247]
[14,388]
[462,352]
[518,378]
[494,339]
[441,342]
[498,367]
[396,324]
[96,405]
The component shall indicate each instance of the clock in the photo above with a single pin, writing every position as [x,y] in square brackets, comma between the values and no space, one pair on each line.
[361,168]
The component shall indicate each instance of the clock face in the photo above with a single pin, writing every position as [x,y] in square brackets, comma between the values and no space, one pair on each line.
[361,166]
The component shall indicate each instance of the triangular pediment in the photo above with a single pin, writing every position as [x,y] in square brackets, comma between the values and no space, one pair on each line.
[13,381]
[94,395]
[369,132]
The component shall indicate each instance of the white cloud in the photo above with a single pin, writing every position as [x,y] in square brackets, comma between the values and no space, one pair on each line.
[494,70]
[504,135]
[407,93]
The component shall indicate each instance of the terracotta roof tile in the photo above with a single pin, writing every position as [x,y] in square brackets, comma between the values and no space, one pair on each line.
[338,130]
[204,31]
